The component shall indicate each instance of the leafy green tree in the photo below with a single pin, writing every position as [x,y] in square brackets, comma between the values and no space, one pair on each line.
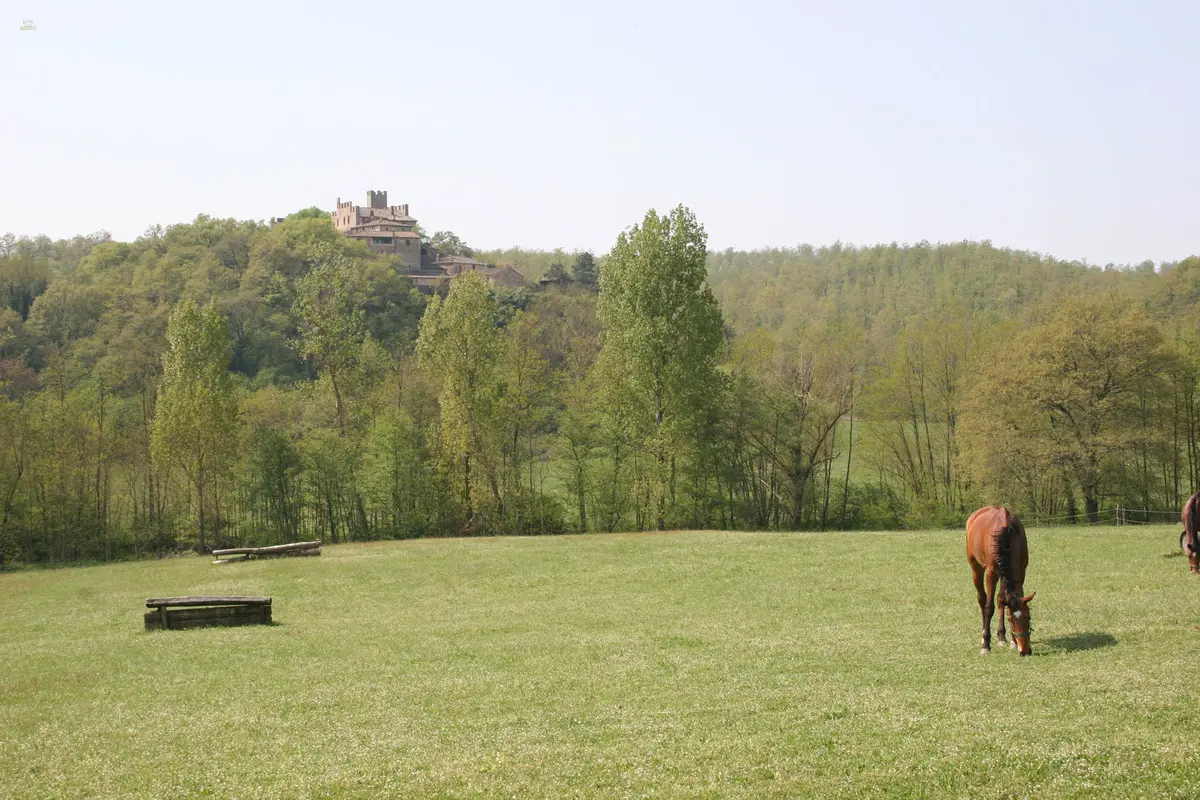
[331,320]
[17,442]
[1066,396]
[22,280]
[66,312]
[662,336]
[808,386]
[558,273]
[526,407]
[312,212]
[568,335]
[392,307]
[585,271]
[397,477]
[915,399]
[578,442]
[462,347]
[274,466]
[196,416]
[448,243]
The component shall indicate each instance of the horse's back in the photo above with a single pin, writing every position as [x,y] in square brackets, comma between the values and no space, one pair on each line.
[1189,515]
[980,526]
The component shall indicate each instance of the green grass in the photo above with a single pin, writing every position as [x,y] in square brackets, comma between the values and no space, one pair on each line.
[678,665]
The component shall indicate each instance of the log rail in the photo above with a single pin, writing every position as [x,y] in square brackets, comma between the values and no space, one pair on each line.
[173,613]
[274,551]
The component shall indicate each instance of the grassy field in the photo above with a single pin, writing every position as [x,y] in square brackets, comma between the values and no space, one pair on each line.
[678,665]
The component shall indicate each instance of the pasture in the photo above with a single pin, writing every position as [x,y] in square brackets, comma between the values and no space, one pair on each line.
[701,664]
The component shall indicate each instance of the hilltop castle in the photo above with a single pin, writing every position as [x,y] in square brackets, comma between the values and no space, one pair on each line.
[389,230]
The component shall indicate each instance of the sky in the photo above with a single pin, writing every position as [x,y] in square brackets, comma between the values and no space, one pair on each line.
[1067,128]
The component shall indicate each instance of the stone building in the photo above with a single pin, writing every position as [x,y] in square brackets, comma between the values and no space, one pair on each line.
[503,275]
[389,230]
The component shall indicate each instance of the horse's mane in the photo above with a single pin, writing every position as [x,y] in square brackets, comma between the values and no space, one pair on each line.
[1002,550]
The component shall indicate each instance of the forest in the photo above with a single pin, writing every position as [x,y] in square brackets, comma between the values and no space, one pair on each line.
[225,382]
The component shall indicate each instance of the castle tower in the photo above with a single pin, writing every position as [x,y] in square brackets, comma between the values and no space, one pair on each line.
[376,199]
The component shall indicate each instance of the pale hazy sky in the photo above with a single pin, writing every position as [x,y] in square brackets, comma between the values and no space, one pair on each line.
[1071,128]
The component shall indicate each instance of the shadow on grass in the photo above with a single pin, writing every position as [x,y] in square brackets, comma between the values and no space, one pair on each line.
[177,631]
[1075,642]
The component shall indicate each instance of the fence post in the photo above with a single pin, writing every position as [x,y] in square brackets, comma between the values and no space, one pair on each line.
[1119,516]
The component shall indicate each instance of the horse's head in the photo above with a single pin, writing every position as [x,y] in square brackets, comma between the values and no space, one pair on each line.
[1185,543]
[1020,623]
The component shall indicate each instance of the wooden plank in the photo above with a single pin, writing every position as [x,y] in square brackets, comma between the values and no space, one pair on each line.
[215,612]
[201,617]
[176,602]
[180,618]
[275,548]
[228,622]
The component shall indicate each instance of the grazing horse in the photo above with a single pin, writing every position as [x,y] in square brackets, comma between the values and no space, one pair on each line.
[1189,541]
[998,552]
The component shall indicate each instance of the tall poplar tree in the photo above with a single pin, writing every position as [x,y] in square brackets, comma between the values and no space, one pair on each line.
[662,335]
[195,421]
[462,348]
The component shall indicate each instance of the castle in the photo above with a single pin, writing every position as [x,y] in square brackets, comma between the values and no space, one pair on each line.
[389,230]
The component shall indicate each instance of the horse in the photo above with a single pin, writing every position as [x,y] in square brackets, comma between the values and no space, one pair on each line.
[1189,540]
[998,552]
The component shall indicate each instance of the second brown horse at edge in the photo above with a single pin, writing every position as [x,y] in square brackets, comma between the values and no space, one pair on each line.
[1189,540]
[999,554]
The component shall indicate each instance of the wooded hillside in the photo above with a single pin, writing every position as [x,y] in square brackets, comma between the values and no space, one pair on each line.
[224,383]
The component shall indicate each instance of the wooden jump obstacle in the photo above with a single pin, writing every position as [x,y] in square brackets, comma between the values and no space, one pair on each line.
[173,613]
[275,551]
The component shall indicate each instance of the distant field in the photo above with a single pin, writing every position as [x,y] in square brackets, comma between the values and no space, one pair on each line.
[680,665]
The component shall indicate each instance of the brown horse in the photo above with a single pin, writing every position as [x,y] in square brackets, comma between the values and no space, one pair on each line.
[1189,541]
[998,552]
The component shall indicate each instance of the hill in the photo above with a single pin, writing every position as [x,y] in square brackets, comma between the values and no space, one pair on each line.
[855,392]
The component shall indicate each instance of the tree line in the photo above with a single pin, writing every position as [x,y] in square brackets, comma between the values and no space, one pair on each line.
[228,382]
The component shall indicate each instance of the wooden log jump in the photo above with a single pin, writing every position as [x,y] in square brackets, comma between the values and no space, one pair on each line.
[173,613]
[274,551]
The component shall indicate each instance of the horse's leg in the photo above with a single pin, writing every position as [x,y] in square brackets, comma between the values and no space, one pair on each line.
[985,645]
[1002,625]
[1001,633]
[989,608]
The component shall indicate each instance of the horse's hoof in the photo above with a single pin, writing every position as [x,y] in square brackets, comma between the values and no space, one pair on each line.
[983,651]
